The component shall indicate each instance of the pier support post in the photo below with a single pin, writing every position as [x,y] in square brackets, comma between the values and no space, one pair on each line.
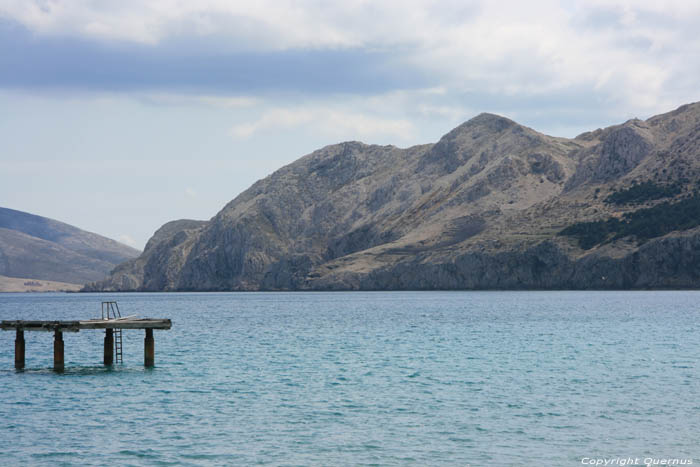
[19,349]
[149,348]
[58,351]
[109,347]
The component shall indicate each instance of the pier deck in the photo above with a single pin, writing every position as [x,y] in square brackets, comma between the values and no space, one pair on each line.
[109,325]
[75,326]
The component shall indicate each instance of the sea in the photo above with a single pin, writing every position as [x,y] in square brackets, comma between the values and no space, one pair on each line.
[361,378]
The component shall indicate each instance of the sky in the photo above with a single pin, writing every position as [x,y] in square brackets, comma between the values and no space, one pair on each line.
[117,117]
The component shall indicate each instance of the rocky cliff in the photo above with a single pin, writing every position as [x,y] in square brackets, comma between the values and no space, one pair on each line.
[492,205]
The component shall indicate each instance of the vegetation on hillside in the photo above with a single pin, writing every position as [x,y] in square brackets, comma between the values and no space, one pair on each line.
[645,191]
[643,224]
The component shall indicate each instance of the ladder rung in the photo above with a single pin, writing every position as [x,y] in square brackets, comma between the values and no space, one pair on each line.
[118,344]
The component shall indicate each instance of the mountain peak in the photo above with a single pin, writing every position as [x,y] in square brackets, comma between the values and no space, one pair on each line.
[487,135]
[484,122]
[489,119]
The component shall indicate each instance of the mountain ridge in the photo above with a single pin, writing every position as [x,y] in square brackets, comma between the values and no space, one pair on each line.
[483,207]
[38,248]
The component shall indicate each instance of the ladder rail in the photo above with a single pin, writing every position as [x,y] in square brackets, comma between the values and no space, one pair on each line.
[111,309]
[118,346]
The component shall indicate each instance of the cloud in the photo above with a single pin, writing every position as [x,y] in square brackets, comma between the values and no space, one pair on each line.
[192,68]
[332,122]
[190,193]
[127,240]
[226,102]
[632,56]
[264,24]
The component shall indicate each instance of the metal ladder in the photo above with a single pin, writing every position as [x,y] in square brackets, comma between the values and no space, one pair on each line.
[110,310]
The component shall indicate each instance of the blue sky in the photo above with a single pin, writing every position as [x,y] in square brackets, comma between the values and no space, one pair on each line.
[117,117]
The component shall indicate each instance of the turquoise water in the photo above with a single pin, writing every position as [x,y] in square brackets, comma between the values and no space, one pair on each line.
[425,378]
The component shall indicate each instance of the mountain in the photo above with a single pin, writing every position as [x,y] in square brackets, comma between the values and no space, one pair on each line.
[36,249]
[491,205]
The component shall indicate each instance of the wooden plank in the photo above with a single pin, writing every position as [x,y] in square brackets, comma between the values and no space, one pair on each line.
[75,326]
[44,326]
[144,323]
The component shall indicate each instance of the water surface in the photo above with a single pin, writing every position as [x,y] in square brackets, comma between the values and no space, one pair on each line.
[397,378]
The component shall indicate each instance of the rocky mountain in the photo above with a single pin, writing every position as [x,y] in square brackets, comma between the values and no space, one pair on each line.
[36,248]
[492,205]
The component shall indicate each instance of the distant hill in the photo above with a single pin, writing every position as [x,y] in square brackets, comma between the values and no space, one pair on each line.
[491,205]
[18,284]
[36,248]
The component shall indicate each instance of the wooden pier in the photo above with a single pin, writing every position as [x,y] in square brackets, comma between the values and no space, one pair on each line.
[109,324]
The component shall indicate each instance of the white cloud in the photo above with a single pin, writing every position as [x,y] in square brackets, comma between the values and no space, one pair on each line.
[336,123]
[127,240]
[511,47]
[190,192]
[633,54]
[226,102]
